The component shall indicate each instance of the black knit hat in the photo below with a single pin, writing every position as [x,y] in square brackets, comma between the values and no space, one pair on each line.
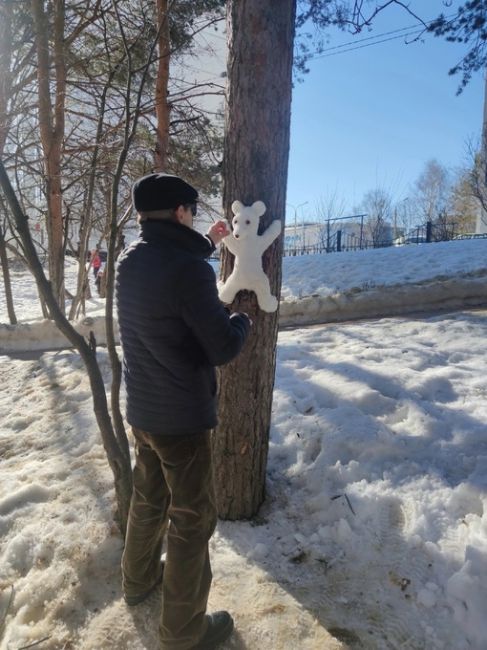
[161,192]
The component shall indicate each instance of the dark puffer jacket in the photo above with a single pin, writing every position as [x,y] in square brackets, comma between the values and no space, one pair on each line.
[173,329]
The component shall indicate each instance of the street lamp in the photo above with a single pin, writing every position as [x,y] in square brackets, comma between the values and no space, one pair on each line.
[295,208]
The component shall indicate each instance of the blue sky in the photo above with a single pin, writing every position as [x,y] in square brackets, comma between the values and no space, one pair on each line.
[374,116]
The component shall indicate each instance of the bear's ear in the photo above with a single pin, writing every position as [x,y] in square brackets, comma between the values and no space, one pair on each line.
[237,207]
[259,208]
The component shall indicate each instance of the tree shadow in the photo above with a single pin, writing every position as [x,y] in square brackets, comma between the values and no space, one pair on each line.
[47,386]
[341,536]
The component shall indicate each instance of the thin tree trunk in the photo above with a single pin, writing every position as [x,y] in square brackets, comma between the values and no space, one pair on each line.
[261,34]
[163,108]
[117,458]
[51,128]
[111,346]
[6,280]
[85,230]
[132,115]
[5,119]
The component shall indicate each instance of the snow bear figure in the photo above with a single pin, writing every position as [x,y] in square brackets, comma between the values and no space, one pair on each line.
[248,246]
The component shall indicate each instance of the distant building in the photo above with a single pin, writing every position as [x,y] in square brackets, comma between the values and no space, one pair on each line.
[302,235]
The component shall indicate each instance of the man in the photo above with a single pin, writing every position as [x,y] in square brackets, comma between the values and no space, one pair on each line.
[174,330]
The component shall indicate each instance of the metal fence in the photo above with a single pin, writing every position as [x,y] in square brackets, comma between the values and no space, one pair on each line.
[340,241]
[335,243]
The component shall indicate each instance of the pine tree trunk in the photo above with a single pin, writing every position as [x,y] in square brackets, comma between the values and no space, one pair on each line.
[261,34]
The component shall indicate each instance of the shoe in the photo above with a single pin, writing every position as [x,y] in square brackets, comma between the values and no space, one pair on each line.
[136,600]
[220,627]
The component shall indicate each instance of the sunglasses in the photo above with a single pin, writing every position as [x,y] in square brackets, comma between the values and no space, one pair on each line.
[193,208]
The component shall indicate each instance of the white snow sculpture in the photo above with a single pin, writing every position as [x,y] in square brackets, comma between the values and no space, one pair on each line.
[248,246]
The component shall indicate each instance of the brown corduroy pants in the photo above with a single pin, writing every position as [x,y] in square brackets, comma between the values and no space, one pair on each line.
[173,490]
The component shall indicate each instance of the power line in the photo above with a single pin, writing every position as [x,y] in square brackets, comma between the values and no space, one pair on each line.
[418,27]
[369,38]
[360,47]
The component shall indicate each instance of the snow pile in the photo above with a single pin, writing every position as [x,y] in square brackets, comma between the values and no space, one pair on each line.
[45,335]
[383,282]
[355,271]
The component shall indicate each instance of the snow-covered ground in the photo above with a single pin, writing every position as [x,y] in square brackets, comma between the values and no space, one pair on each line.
[375,524]
[326,275]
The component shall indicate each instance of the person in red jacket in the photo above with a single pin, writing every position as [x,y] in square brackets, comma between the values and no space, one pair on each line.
[95,262]
[174,330]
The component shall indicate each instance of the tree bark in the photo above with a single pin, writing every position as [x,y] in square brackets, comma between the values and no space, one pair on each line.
[163,109]
[259,71]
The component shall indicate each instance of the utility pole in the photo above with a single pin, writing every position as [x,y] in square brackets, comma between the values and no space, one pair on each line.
[295,208]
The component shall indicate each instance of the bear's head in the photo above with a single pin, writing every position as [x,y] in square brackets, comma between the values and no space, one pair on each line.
[245,223]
